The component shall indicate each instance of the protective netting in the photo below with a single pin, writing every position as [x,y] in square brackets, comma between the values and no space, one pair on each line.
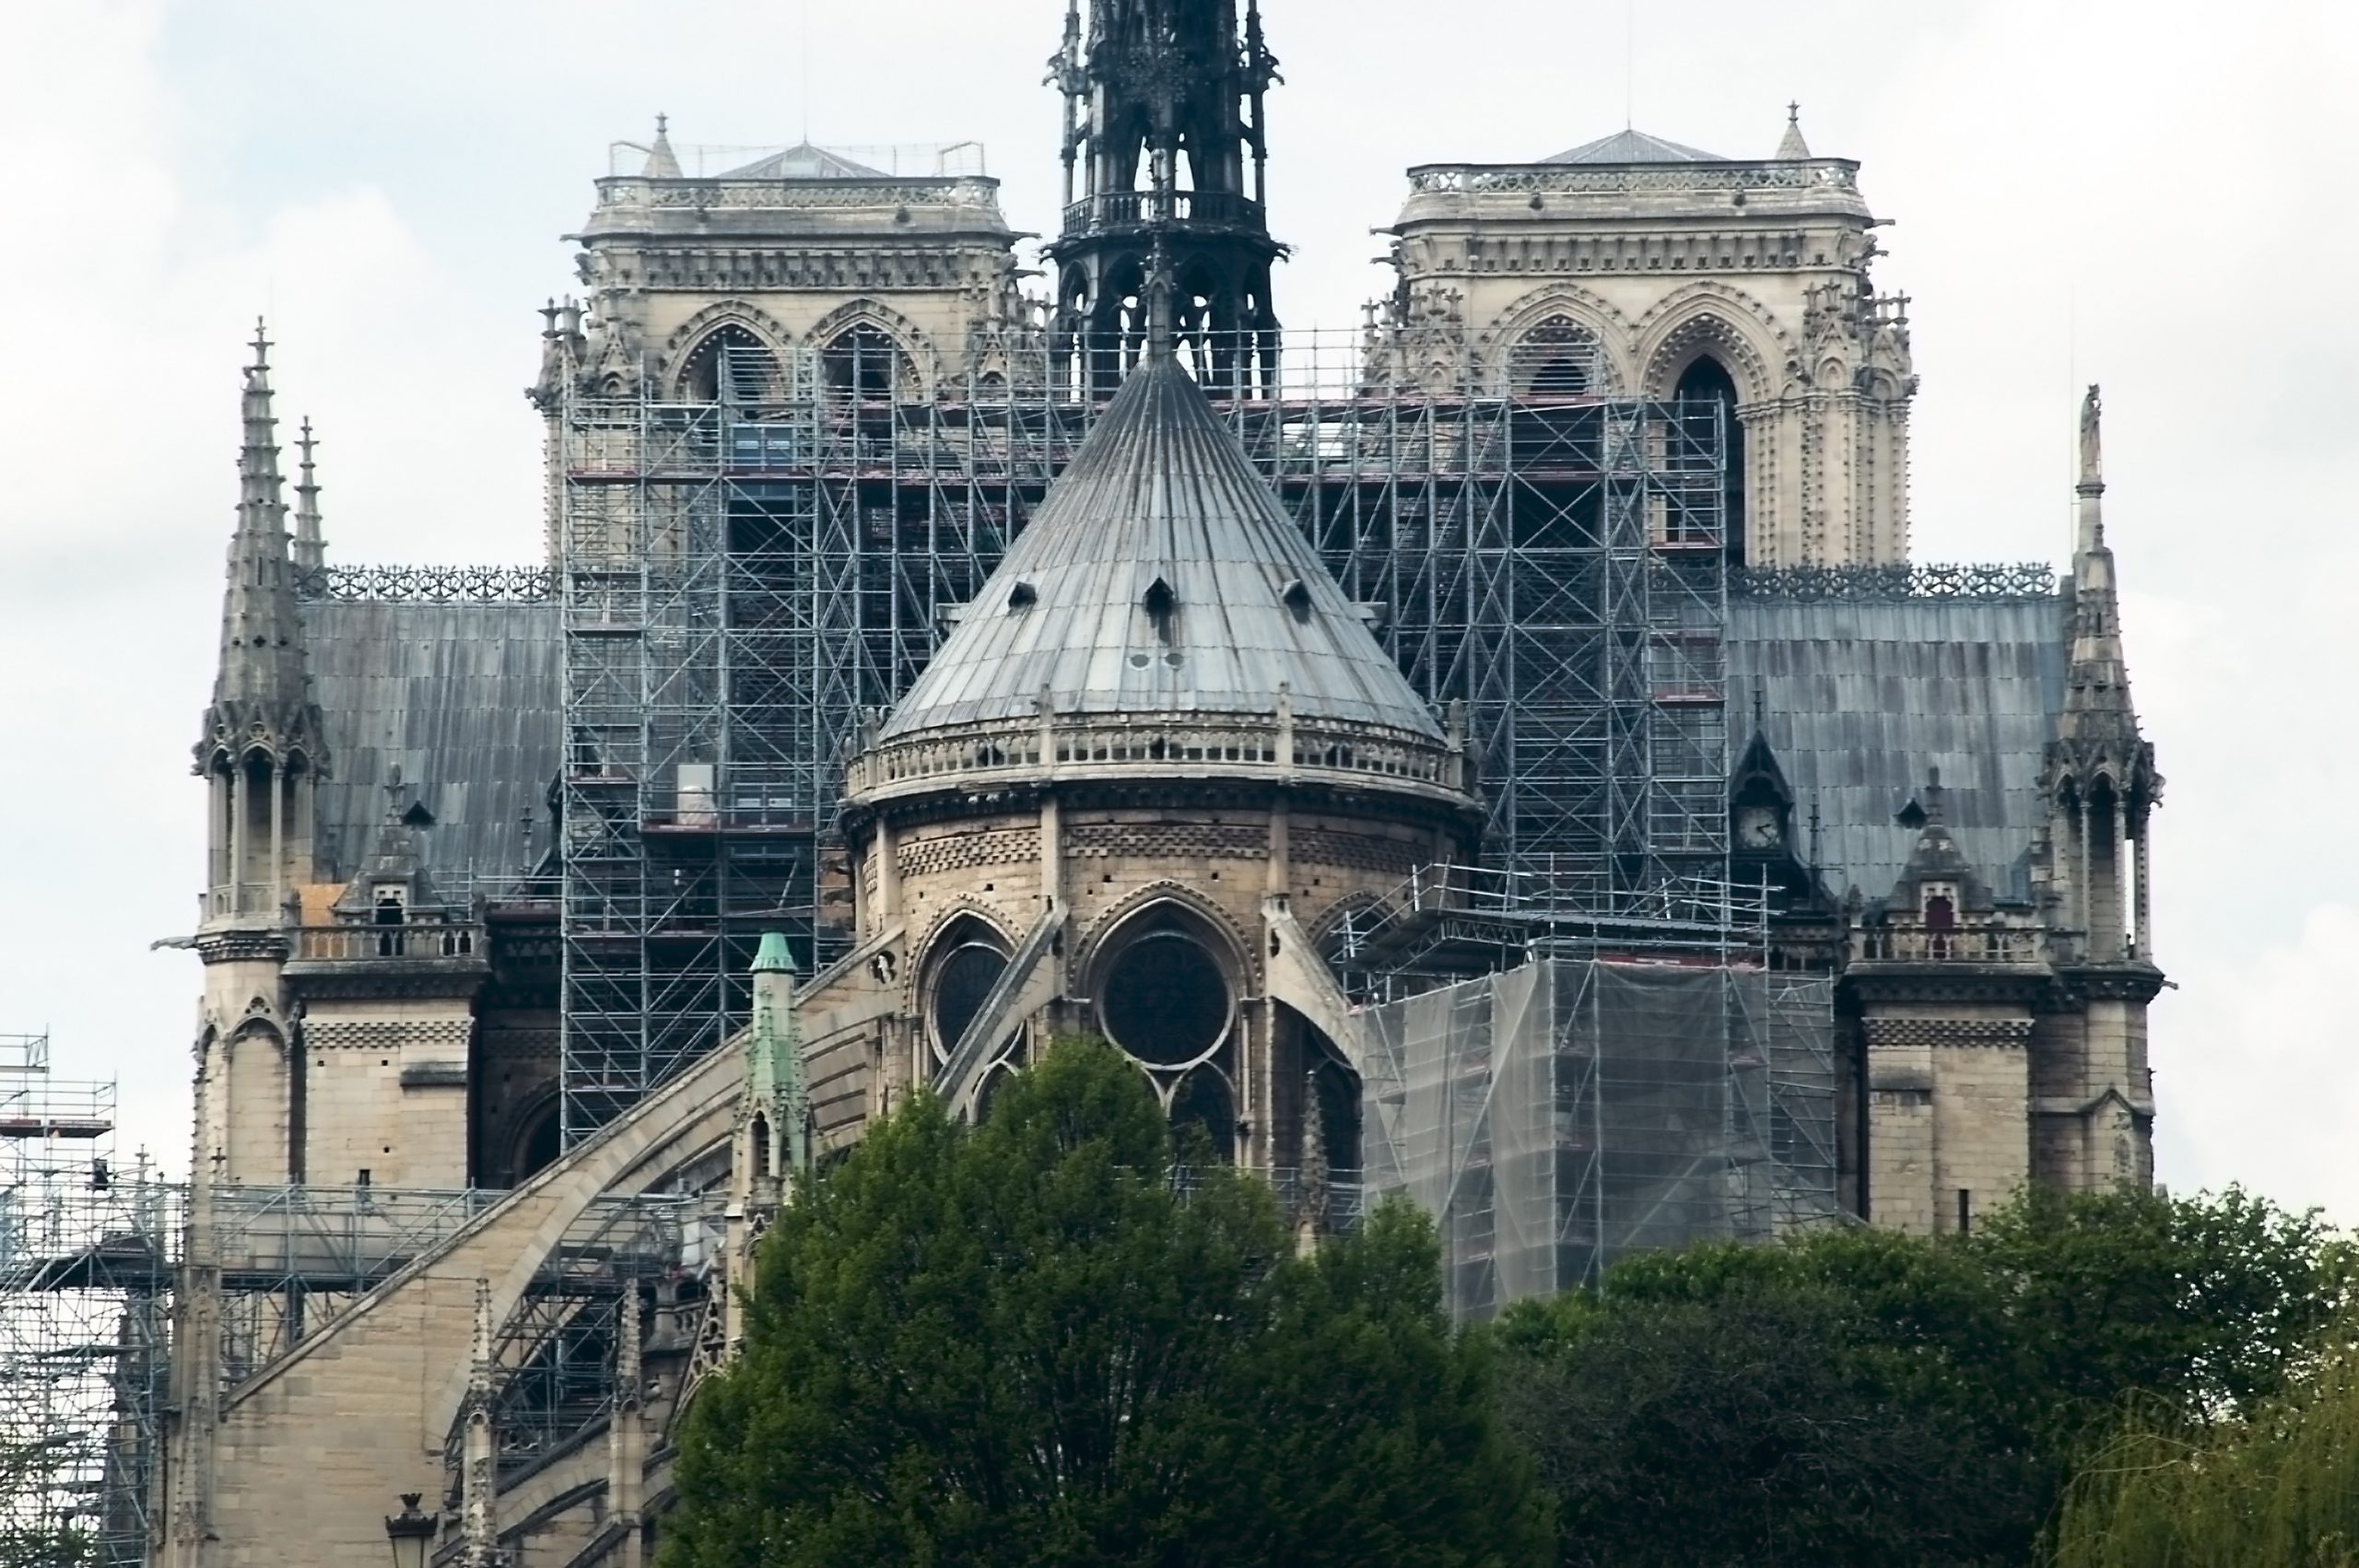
[1561,1115]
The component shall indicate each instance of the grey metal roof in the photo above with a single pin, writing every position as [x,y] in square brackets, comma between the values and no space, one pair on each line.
[465,700]
[1160,490]
[1634,147]
[1860,698]
[804,162]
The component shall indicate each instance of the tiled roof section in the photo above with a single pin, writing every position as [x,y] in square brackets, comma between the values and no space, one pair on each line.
[465,701]
[1160,493]
[1860,698]
[1634,147]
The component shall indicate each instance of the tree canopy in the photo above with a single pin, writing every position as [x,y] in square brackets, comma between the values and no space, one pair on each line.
[2278,1485]
[1860,1397]
[1055,1339]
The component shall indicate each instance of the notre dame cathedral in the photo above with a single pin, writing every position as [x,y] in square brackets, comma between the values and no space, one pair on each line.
[1503,755]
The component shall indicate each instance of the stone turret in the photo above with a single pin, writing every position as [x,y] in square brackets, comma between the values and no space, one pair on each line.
[261,755]
[2095,1105]
[261,748]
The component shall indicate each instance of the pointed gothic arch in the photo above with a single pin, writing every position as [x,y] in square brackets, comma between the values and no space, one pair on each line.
[761,330]
[1516,333]
[729,364]
[860,330]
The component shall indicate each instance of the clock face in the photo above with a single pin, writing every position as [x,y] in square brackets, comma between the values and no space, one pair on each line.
[1758,827]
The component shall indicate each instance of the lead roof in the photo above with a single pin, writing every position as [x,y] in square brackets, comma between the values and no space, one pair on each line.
[1634,147]
[1859,698]
[1160,493]
[464,700]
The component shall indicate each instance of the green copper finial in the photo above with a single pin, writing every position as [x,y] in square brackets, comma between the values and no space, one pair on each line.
[771,957]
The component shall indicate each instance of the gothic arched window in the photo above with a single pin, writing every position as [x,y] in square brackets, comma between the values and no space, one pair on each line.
[864,364]
[1703,387]
[1556,358]
[729,364]
[966,964]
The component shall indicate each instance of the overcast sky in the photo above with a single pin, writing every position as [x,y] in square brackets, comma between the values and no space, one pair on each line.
[2151,195]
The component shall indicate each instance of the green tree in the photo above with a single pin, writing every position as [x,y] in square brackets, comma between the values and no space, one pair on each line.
[2278,1485]
[2207,1305]
[1048,1340]
[31,1535]
[1863,1397]
[1848,1399]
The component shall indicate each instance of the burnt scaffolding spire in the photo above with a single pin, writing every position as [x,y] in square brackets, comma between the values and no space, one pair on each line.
[1166,149]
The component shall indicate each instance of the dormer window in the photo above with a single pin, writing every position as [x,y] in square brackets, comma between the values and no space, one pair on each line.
[389,907]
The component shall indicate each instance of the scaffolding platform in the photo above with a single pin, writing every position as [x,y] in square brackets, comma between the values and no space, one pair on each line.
[87,1251]
[742,577]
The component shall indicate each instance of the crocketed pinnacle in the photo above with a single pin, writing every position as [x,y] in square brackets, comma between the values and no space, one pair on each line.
[1160,576]
[262,636]
[311,548]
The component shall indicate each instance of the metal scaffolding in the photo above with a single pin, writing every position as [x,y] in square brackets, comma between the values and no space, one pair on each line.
[1557,1116]
[741,576]
[85,1259]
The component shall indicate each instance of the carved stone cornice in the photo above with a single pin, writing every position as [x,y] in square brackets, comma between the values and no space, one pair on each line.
[1877,983]
[242,944]
[2138,983]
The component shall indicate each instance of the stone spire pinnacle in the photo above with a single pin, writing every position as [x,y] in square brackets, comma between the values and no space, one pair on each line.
[261,691]
[2097,691]
[774,1082]
[1791,148]
[310,548]
[661,163]
[479,1475]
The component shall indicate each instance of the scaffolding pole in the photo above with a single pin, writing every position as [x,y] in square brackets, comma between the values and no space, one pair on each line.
[751,557]
[86,1259]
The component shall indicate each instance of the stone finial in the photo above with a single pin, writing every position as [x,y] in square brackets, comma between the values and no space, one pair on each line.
[661,163]
[1791,148]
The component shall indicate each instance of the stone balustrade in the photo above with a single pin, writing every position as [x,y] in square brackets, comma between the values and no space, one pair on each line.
[1276,746]
[1923,944]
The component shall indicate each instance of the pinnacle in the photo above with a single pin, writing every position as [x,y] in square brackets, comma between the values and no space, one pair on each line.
[1791,148]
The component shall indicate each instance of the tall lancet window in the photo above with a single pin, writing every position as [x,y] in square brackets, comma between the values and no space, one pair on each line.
[1704,386]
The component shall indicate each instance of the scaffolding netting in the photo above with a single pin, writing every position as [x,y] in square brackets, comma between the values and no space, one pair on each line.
[1559,1116]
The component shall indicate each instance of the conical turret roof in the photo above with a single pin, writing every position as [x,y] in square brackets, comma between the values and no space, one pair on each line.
[1160,576]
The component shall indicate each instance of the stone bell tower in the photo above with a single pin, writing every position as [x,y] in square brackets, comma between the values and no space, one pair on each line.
[1159,751]
[1165,147]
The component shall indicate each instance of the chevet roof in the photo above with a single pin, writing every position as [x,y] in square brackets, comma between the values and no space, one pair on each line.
[1160,493]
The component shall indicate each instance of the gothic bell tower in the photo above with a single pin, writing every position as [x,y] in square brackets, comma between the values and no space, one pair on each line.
[1163,117]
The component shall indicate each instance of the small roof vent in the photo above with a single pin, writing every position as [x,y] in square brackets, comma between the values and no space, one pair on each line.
[1296,595]
[1159,598]
[1021,597]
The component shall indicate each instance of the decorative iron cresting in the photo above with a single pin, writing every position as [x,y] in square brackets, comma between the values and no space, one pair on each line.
[1976,580]
[429,585]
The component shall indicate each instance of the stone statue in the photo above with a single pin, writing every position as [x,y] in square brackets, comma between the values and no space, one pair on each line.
[2091,464]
